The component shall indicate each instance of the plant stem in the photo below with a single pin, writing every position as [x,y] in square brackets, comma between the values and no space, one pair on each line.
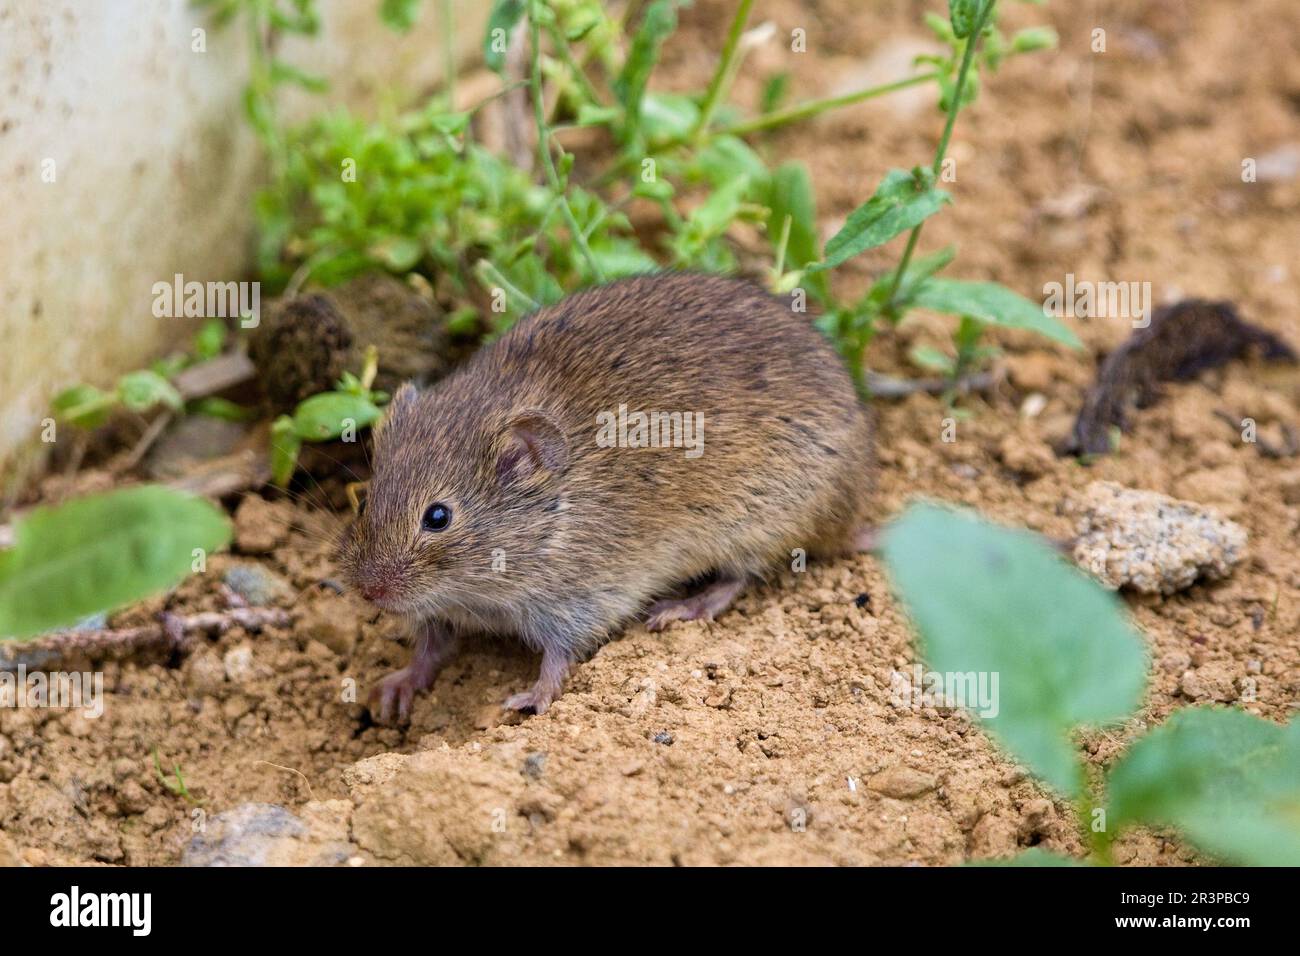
[718,84]
[779,266]
[772,120]
[1098,843]
[497,276]
[954,107]
[577,72]
[544,146]
[814,107]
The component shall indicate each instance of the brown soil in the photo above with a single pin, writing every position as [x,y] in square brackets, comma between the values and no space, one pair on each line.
[712,742]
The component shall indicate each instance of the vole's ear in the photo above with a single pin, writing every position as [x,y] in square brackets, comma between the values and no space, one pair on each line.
[400,404]
[403,399]
[532,445]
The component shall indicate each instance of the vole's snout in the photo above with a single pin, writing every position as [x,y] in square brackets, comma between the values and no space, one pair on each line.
[380,583]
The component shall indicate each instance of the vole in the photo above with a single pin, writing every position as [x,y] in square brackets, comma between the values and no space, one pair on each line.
[607,449]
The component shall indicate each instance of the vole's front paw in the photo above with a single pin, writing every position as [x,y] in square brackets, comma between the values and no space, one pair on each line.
[396,692]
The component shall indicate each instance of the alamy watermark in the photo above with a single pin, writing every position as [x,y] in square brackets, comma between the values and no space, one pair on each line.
[208,300]
[1084,299]
[133,911]
[973,690]
[60,690]
[624,429]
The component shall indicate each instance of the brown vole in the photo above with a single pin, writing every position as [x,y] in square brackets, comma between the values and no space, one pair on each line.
[521,496]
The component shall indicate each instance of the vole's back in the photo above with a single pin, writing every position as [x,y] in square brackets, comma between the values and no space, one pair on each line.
[783,459]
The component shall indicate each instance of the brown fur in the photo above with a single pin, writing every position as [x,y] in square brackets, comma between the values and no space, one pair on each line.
[590,535]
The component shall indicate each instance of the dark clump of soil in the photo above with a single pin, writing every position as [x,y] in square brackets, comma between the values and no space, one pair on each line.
[1181,341]
[306,342]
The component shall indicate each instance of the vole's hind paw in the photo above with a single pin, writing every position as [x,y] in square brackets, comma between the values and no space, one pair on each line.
[705,605]
[538,701]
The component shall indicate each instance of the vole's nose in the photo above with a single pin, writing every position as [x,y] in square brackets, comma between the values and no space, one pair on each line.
[375,590]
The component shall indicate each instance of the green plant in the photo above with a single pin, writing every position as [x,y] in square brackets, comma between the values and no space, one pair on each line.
[175,783]
[906,199]
[415,193]
[99,552]
[352,406]
[86,406]
[991,600]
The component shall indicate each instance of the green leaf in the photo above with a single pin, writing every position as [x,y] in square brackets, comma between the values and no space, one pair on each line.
[723,158]
[992,601]
[626,258]
[97,553]
[282,72]
[931,358]
[775,88]
[145,389]
[941,28]
[657,24]
[790,193]
[1034,38]
[399,15]
[222,408]
[902,201]
[1229,781]
[918,270]
[210,340]
[285,445]
[667,116]
[962,14]
[83,405]
[709,220]
[503,19]
[592,114]
[993,304]
[398,253]
[323,417]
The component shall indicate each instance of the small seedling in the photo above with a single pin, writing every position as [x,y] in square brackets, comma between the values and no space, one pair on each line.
[86,406]
[176,784]
[352,406]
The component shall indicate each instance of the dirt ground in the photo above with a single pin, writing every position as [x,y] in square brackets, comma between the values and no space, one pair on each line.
[768,736]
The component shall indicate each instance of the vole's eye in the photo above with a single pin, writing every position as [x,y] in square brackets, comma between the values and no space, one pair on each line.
[436,517]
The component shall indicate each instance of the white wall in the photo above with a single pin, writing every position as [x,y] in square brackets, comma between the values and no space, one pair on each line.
[154,168]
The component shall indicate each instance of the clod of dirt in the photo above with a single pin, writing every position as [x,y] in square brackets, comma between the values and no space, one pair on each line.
[441,807]
[1150,542]
[204,673]
[1213,681]
[260,525]
[304,344]
[8,852]
[333,620]
[902,783]
[265,834]
[1182,340]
